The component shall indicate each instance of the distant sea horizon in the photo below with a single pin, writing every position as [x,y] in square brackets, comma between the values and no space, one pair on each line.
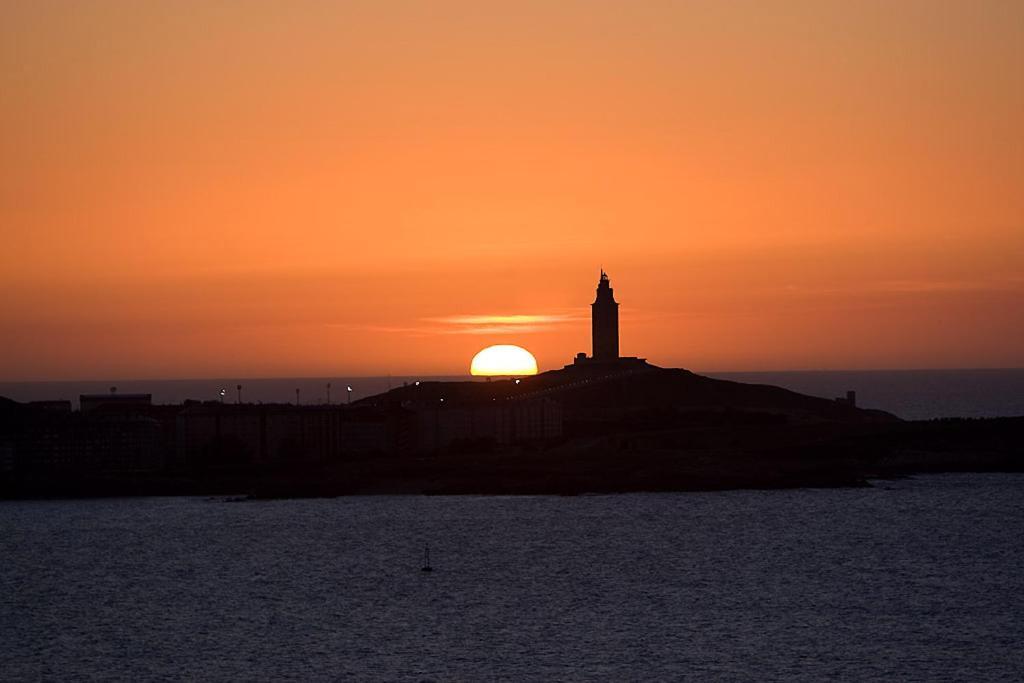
[913,394]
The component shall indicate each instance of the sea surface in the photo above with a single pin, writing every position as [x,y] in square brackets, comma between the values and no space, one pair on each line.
[917,579]
[910,394]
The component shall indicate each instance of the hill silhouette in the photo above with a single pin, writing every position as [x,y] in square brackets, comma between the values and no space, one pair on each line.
[625,427]
[623,392]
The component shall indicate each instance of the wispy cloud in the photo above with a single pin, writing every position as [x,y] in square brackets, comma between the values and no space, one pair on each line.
[516,323]
[493,329]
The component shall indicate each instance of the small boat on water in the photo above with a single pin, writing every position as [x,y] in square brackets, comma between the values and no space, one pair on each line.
[426,560]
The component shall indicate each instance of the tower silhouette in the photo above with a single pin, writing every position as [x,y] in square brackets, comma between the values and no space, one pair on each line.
[604,316]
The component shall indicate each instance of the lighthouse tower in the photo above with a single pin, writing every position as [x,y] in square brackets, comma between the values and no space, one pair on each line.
[604,315]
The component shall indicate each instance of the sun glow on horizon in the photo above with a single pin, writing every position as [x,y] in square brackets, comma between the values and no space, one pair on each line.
[308,188]
[503,360]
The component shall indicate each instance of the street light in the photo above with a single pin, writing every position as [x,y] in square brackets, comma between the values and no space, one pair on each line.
[348,388]
[328,393]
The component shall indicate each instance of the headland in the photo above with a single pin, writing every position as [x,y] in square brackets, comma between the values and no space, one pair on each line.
[592,429]
[601,424]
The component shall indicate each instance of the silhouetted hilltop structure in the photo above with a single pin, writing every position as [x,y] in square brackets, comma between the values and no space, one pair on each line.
[604,315]
[604,325]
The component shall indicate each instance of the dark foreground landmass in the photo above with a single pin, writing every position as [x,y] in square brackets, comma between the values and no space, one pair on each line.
[632,430]
[681,459]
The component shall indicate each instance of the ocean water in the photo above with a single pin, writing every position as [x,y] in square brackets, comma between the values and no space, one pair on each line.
[911,394]
[910,580]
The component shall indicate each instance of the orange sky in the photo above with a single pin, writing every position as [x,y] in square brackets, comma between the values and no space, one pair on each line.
[208,188]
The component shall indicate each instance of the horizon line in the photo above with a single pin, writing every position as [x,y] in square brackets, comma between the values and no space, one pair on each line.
[466,374]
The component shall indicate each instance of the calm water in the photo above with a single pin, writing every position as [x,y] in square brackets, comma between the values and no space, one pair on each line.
[918,579]
[911,394]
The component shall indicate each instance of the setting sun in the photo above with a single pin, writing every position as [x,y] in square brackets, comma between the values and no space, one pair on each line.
[503,360]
